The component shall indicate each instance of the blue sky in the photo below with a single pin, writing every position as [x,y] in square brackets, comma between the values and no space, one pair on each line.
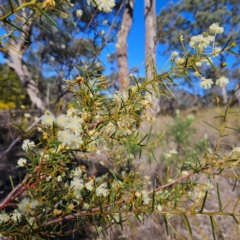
[136,41]
[136,38]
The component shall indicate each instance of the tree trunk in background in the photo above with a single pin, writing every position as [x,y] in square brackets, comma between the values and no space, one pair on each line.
[224,94]
[14,59]
[150,51]
[122,55]
[237,94]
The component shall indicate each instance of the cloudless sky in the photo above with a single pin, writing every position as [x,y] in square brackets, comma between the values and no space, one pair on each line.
[136,41]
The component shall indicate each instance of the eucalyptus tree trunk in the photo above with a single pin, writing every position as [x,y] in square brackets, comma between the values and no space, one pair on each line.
[150,46]
[14,59]
[122,55]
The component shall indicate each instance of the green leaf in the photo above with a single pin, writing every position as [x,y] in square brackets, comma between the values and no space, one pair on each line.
[153,155]
[211,126]
[11,6]
[231,51]
[111,171]
[212,65]
[140,152]
[235,219]
[100,205]
[219,198]
[170,79]
[142,139]
[166,224]
[11,181]
[185,76]
[176,196]
[225,115]
[48,17]
[149,134]
[212,224]
[186,63]
[204,201]
[153,196]
[235,184]
[155,90]
[226,44]
[18,28]
[120,221]
[188,225]
[235,129]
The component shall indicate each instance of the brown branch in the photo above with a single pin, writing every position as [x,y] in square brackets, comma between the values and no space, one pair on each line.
[16,191]
[96,209]
[19,138]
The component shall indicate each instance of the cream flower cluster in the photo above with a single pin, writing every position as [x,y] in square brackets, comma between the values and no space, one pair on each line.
[171,153]
[79,182]
[102,5]
[144,196]
[21,162]
[26,207]
[207,83]
[102,190]
[27,145]
[71,128]
[202,42]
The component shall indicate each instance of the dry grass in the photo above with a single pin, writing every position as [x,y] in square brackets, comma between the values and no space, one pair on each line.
[154,227]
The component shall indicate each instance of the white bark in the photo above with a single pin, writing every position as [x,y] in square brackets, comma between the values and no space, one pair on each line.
[14,59]
[16,63]
[150,51]
[150,33]
[122,54]
[224,94]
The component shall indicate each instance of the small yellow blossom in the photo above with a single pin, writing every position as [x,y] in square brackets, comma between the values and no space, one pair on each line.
[4,218]
[79,13]
[184,173]
[48,3]
[57,212]
[159,207]
[70,206]
[28,205]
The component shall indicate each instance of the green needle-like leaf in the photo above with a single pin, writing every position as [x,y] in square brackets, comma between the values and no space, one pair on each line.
[219,198]
[213,228]
[166,224]
[226,44]
[48,17]
[204,201]
[188,225]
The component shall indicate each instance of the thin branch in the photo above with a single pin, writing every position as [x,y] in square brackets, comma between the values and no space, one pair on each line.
[19,138]
[32,3]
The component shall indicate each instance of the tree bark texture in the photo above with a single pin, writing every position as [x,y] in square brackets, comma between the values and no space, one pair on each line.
[150,45]
[14,59]
[150,34]
[122,55]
